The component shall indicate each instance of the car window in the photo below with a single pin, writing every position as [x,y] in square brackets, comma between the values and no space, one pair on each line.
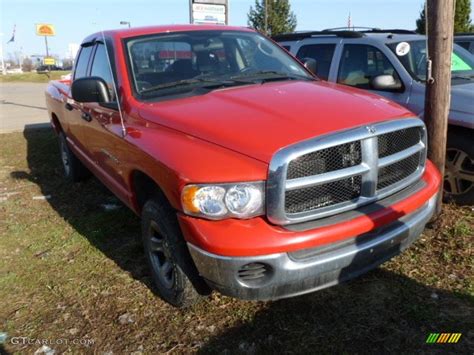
[465,45]
[80,70]
[101,67]
[322,53]
[360,63]
[414,60]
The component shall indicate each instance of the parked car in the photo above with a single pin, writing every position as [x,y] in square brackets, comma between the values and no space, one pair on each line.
[392,63]
[465,40]
[43,68]
[251,176]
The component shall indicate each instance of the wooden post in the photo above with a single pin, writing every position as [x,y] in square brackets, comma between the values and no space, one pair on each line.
[440,26]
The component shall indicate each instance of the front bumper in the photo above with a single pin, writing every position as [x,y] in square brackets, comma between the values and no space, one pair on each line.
[280,275]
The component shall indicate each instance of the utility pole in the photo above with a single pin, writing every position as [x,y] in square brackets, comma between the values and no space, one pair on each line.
[266,18]
[440,27]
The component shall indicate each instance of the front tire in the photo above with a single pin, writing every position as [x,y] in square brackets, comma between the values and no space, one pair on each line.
[173,272]
[459,171]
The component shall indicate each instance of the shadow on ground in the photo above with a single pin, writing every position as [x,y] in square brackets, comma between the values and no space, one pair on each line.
[83,205]
[380,312]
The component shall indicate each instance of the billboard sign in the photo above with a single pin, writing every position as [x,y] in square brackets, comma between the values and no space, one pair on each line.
[49,61]
[209,12]
[45,29]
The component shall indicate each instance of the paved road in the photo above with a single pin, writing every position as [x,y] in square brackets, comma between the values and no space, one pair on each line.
[22,104]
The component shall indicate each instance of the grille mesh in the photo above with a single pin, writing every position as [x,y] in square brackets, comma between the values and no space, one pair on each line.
[336,195]
[311,198]
[325,160]
[394,142]
[398,171]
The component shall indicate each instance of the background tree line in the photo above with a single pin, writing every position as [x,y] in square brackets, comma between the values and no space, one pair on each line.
[280,18]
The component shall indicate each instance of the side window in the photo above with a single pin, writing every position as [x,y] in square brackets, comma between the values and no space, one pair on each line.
[360,63]
[80,70]
[101,68]
[322,53]
[465,45]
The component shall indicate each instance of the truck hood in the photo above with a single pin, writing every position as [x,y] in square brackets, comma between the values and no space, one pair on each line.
[258,120]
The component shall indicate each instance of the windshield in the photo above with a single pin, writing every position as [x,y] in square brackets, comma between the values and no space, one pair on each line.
[412,54]
[168,64]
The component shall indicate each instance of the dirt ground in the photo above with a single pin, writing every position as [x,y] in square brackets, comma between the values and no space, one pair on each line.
[73,280]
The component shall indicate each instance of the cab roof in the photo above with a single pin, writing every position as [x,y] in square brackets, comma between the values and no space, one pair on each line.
[150,30]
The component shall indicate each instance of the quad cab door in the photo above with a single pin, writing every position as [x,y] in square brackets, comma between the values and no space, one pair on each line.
[103,129]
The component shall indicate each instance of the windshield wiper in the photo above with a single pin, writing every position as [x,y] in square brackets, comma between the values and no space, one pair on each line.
[264,76]
[195,83]
[174,84]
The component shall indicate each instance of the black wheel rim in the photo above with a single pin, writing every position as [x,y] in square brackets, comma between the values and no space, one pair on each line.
[459,172]
[159,257]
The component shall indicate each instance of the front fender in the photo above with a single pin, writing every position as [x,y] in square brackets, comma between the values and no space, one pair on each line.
[173,159]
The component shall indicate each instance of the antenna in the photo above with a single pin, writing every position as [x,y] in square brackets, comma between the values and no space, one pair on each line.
[124,130]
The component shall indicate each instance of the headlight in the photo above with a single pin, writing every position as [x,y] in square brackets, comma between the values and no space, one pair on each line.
[219,201]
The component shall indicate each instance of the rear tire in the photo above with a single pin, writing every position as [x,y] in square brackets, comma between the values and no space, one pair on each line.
[459,171]
[74,170]
[172,269]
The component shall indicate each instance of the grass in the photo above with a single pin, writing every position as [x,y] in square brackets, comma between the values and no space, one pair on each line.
[32,77]
[70,270]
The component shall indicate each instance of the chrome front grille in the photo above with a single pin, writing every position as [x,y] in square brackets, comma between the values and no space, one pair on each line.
[325,160]
[394,142]
[335,173]
[398,171]
[332,193]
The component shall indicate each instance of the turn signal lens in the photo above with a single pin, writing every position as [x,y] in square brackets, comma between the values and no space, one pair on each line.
[188,197]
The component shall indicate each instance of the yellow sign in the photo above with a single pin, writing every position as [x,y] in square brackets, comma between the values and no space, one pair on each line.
[44,29]
[49,61]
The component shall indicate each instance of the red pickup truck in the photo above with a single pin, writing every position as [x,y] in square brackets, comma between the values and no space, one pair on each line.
[251,176]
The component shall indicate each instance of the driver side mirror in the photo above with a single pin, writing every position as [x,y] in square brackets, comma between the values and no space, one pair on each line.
[310,64]
[385,83]
[90,89]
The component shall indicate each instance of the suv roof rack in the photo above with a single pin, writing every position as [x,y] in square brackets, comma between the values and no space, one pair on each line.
[347,32]
[464,34]
[372,30]
[301,35]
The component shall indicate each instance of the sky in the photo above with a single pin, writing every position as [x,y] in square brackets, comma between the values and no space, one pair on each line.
[75,19]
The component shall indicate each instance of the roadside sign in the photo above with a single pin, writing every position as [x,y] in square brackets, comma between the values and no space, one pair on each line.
[45,29]
[209,12]
[49,61]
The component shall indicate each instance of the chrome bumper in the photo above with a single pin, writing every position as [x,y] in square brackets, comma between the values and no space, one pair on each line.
[290,274]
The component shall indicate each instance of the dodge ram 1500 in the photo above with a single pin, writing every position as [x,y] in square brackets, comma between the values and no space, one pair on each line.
[251,176]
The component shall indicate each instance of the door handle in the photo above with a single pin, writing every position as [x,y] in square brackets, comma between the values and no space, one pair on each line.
[86,116]
[69,107]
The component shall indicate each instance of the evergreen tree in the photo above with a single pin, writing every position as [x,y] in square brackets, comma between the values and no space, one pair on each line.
[280,18]
[421,22]
[462,18]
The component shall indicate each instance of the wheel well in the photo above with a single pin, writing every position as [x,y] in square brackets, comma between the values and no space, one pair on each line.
[56,124]
[458,129]
[144,187]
